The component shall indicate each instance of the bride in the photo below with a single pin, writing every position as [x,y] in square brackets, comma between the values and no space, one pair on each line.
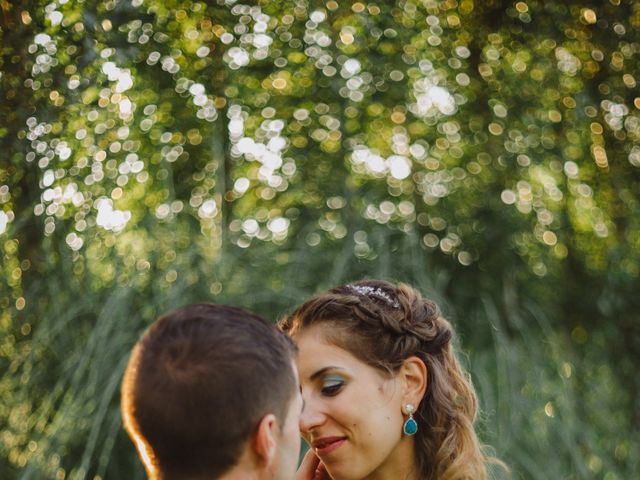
[384,395]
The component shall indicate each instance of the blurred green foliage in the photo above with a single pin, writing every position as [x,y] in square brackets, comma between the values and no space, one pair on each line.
[157,153]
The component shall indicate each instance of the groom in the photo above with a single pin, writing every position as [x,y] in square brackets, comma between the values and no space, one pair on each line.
[211,392]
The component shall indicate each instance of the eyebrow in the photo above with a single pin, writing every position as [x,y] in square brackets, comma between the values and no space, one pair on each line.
[323,371]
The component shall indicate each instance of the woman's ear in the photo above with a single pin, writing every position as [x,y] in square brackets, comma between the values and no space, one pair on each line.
[265,440]
[414,377]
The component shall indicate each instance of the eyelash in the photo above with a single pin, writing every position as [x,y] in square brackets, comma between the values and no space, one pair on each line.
[333,389]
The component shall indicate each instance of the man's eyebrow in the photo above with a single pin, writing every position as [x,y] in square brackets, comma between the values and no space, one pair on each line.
[323,371]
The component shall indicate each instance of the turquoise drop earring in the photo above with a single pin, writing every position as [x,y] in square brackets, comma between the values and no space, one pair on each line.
[410,427]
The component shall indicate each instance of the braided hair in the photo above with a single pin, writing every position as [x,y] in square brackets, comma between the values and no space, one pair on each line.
[382,325]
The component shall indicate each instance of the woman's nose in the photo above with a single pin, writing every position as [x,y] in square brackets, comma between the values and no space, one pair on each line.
[311,417]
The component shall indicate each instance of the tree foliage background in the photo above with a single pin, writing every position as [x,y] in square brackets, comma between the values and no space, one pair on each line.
[157,153]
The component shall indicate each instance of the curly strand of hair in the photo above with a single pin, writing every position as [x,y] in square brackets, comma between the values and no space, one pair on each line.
[458,454]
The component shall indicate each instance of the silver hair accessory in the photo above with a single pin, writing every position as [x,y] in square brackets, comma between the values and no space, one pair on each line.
[368,291]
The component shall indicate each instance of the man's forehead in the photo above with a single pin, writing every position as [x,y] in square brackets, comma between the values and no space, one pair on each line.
[296,376]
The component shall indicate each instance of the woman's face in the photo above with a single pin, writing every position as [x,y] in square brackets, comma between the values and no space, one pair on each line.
[352,415]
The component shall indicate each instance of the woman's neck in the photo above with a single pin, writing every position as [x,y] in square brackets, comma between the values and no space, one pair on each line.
[399,465]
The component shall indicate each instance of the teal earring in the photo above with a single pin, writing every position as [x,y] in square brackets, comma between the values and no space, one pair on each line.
[410,427]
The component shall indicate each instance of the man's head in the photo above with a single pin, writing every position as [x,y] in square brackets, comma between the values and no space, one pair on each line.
[210,388]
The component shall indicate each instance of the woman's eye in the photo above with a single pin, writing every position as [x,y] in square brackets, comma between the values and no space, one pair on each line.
[332,387]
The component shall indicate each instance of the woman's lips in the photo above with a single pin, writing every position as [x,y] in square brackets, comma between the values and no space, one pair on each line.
[324,446]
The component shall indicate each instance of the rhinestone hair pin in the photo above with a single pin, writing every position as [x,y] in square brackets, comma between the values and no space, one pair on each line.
[368,291]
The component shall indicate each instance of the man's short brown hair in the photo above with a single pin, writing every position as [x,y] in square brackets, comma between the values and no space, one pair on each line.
[197,384]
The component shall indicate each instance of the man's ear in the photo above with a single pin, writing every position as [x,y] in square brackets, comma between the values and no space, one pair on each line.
[265,440]
[414,376]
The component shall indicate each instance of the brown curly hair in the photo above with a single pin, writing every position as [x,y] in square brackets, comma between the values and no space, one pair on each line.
[382,325]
